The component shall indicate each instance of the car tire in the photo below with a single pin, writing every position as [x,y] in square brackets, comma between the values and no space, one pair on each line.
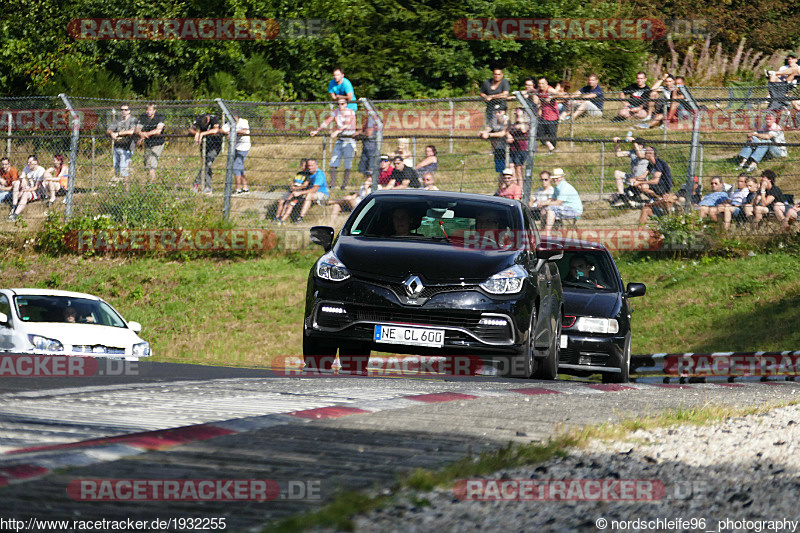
[547,367]
[623,376]
[318,354]
[523,364]
[354,356]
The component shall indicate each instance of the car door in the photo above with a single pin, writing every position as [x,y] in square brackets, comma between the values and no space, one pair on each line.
[548,283]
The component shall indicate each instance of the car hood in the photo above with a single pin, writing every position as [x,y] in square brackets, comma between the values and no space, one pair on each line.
[579,302]
[436,261]
[84,334]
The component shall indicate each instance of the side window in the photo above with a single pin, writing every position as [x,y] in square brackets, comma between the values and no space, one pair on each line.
[5,306]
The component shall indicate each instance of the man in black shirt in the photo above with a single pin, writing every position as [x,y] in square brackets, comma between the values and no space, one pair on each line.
[149,130]
[769,198]
[404,176]
[638,96]
[206,127]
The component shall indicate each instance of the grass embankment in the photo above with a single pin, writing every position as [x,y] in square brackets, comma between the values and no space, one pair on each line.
[244,312]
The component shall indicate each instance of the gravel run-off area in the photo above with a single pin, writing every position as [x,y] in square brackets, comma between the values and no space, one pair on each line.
[740,474]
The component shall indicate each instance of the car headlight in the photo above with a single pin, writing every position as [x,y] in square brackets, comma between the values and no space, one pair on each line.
[329,267]
[142,349]
[597,325]
[45,344]
[509,281]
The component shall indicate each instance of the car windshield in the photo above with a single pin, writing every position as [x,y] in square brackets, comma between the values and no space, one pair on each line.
[587,269]
[66,309]
[429,219]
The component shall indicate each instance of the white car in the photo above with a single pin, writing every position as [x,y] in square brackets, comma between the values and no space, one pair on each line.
[51,322]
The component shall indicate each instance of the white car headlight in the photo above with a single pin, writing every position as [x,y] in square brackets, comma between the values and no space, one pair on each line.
[329,267]
[142,349]
[509,281]
[45,344]
[597,325]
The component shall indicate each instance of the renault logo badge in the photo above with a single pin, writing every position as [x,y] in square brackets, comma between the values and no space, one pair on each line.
[413,286]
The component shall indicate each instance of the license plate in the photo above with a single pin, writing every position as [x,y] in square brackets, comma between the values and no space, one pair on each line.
[564,340]
[411,336]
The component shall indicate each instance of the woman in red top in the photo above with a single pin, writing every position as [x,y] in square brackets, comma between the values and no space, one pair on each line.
[547,129]
[58,179]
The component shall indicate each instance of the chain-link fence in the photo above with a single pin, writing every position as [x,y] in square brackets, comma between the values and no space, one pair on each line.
[173,177]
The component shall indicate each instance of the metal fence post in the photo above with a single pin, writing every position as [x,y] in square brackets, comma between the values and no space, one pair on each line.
[695,144]
[452,120]
[374,162]
[73,156]
[94,153]
[527,182]
[602,167]
[226,206]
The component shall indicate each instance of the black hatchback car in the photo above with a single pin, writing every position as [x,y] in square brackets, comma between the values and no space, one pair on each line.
[597,318]
[435,273]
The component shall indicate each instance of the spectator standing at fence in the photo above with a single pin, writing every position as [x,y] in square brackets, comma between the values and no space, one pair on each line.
[639,164]
[591,99]
[637,96]
[58,181]
[565,204]
[206,127]
[8,175]
[29,187]
[150,131]
[508,187]
[517,139]
[369,144]
[542,194]
[765,140]
[657,188]
[340,86]
[495,132]
[529,92]
[122,132]
[344,147]
[547,129]
[240,152]
[734,208]
[318,190]
[495,92]
[430,163]
[404,176]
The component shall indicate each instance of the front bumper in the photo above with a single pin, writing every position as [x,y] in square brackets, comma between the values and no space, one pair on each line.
[591,353]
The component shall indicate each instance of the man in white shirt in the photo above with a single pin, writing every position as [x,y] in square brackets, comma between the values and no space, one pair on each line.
[345,145]
[242,148]
[28,188]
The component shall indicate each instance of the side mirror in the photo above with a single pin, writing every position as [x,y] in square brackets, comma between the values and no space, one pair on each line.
[322,235]
[635,289]
[135,326]
[4,319]
[549,252]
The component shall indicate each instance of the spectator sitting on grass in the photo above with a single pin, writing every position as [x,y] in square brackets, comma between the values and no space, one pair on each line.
[638,169]
[592,99]
[430,163]
[318,191]
[660,97]
[761,142]
[542,194]
[565,203]
[769,198]
[637,94]
[288,201]
[711,204]
[350,201]
[657,188]
[734,208]
[429,183]
[508,187]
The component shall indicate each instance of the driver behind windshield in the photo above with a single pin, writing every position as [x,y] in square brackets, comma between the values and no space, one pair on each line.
[581,271]
[401,222]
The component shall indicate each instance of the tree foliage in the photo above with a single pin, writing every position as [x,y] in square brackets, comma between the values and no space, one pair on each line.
[387,48]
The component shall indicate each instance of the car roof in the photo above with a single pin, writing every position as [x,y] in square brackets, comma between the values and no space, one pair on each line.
[448,195]
[52,292]
[573,244]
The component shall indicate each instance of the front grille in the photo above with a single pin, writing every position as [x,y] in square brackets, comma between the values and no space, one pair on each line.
[432,290]
[418,317]
[98,349]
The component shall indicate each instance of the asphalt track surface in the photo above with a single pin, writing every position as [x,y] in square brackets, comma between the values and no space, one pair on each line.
[307,436]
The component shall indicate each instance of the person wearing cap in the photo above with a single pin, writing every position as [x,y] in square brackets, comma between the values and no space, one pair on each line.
[404,176]
[638,169]
[565,204]
[385,180]
[508,186]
